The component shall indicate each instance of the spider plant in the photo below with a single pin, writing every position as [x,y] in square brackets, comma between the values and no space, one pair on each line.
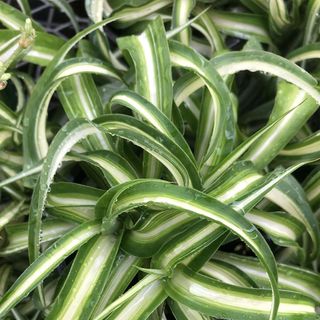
[159,160]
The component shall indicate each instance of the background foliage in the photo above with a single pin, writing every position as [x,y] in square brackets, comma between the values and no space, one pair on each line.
[159,159]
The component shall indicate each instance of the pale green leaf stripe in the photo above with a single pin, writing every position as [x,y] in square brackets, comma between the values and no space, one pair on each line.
[46,263]
[312,190]
[5,272]
[152,115]
[6,114]
[290,277]
[9,212]
[149,290]
[35,123]
[221,137]
[213,36]
[182,312]
[171,196]
[309,51]
[233,62]
[115,168]
[31,147]
[12,18]
[227,273]
[17,235]
[123,126]
[242,148]
[89,273]
[199,236]
[228,301]
[310,34]
[25,173]
[239,181]
[130,15]
[152,67]
[147,238]
[95,8]
[79,97]
[284,229]
[289,195]
[180,15]
[149,53]
[71,201]
[307,149]
[123,272]
[158,145]
[289,97]
[280,19]
[241,25]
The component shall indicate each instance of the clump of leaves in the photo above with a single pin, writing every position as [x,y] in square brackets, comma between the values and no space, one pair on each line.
[148,161]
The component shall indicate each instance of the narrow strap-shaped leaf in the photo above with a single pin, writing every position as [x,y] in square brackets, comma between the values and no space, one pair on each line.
[171,196]
[227,273]
[115,168]
[312,190]
[131,15]
[228,301]
[150,290]
[289,195]
[5,272]
[13,18]
[32,148]
[309,51]
[288,97]
[310,34]
[145,239]
[34,120]
[219,140]
[284,229]
[6,114]
[123,272]
[242,25]
[182,312]
[152,115]
[281,20]
[233,62]
[80,99]
[183,246]
[49,260]
[156,143]
[10,212]
[305,150]
[241,178]
[290,277]
[180,15]
[42,50]
[72,201]
[76,130]
[25,7]
[149,53]
[122,126]
[17,235]
[86,279]
[152,67]
[214,38]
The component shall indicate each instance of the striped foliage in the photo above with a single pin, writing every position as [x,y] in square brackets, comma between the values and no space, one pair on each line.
[159,159]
